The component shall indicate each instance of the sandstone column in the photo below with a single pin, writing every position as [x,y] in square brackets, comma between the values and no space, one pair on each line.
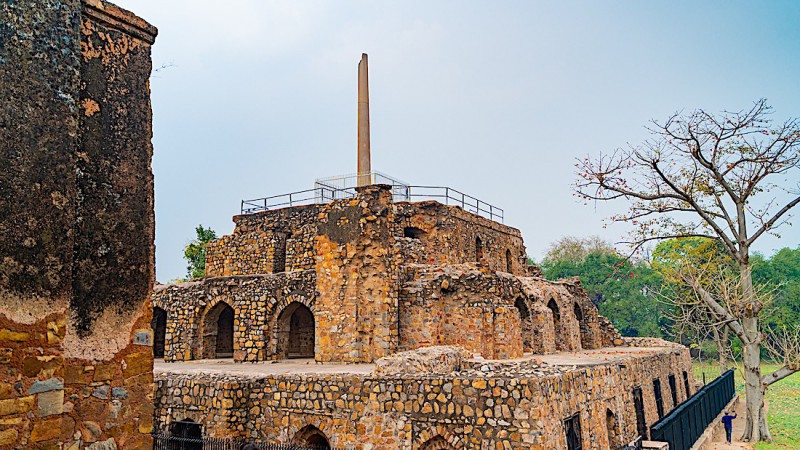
[364,164]
[76,226]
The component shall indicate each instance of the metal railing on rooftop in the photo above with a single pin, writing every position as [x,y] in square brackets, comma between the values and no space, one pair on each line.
[328,190]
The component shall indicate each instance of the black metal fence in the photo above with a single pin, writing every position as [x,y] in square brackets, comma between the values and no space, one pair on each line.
[683,425]
[170,442]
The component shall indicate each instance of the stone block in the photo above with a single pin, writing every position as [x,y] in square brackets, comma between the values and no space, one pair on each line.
[52,384]
[46,430]
[16,405]
[50,403]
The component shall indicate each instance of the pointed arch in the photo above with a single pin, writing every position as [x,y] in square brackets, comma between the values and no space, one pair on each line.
[558,326]
[295,332]
[311,437]
[526,324]
[218,331]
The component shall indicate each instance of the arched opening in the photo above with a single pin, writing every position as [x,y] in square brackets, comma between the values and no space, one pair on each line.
[159,325]
[295,334]
[509,262]
[612,430]
[311,437]
[188,435]
[413,233]
[560,337]
[478,249]
[218,332]
[526,324]
[436,443]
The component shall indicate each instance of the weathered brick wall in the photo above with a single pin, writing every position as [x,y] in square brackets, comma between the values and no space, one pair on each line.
[494,314]
[76,226]
[257,301]
[357,278]
[449,236]
[266,242]
[519,405]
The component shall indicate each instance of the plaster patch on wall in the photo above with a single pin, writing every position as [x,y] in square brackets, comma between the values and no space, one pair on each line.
[110,334]
[28,309]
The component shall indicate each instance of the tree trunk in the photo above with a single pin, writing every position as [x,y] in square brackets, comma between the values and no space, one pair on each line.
[756,428]
[721,339]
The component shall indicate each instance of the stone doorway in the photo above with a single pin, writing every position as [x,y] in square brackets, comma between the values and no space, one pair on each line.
[218,332]
[159,325]
[295,337]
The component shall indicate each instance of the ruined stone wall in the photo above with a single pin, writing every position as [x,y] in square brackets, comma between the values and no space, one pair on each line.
[492,313]
[449,236]
[266,242]
[257,302]
[357,278]
[484,405]
[76,226]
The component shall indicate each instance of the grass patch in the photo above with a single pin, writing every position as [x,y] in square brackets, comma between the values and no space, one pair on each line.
[783,399]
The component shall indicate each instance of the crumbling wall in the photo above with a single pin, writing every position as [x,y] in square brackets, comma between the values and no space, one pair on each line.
[357,278]
[266,242]
[257,301]
[489,312]
[449,235]
[481,405]
[76,225]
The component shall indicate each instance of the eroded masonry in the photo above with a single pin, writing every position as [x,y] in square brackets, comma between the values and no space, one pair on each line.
[76,226]
[434,330]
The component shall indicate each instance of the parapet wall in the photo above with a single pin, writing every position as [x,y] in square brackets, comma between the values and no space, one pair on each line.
[76,226]
[515,405]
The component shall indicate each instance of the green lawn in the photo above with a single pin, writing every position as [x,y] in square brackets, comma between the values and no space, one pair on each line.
[784,405]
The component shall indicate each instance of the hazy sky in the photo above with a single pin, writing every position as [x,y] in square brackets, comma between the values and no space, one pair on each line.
[496,99]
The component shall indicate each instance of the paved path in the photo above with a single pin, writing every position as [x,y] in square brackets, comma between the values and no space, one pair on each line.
[738,429]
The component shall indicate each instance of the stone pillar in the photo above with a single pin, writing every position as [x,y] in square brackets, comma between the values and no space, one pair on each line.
[364,164]
[357,279]
[76,226]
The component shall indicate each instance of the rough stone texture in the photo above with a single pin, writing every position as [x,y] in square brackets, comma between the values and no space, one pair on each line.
[76,223]
[386,277]
[503,405]
[427,360]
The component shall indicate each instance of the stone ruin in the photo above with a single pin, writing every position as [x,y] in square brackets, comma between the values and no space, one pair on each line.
[416,325]
[362,322]
[76,226]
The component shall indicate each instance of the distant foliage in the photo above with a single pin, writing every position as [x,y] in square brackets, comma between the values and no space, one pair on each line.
[622,290]
[195,252]
[782,271]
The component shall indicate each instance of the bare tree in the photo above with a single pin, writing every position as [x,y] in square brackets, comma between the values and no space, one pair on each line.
[721,176]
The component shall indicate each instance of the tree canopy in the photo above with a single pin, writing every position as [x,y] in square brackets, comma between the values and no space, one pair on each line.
[195,252]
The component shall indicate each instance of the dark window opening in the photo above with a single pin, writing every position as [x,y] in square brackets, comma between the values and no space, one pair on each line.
[478,249]
[659,399]
[674,390]
[612,430]
[413,233]
[159,325]
[190,435]
[572,427]
[526,324]
[686,384]
[279,264]
[638,404]
[509,262]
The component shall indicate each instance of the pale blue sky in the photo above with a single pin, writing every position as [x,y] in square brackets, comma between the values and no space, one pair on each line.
[496,99]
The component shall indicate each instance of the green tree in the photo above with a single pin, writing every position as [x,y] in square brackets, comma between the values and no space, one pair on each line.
[623,290]
[781,271]
[195,252]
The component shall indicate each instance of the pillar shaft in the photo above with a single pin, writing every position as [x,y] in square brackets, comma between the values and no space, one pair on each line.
[364,164]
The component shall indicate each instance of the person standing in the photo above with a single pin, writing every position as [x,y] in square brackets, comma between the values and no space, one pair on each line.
[727,420]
